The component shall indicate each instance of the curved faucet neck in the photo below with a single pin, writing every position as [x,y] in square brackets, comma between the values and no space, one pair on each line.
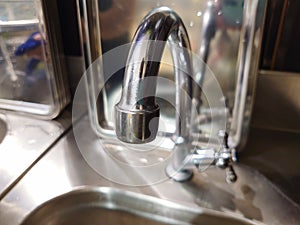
[138,107]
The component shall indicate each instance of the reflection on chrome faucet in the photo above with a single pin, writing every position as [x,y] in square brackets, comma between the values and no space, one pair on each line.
[137,106]
[136,114]
[208,32]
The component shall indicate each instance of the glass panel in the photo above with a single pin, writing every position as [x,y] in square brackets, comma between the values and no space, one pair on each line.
[27,75]
[228,44]
[281,38]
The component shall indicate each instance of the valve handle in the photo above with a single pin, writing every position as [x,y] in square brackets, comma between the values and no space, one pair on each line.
[226,158]
[231,176]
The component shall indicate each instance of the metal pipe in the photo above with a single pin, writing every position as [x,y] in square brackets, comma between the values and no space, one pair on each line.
[136,115]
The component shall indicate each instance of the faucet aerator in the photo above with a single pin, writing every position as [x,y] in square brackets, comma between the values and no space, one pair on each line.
[136,126]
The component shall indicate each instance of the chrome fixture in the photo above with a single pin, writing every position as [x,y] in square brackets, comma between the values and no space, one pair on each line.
[229,43]
[207,34]
[136,114]
[137,109]
[223,157]
[225,35]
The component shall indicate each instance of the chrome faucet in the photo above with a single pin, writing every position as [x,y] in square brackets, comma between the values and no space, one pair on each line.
[136,115]
[207,34]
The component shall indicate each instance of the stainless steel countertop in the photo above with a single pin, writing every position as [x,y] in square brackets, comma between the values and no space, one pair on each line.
[24,140]
[63,169]
[276,155]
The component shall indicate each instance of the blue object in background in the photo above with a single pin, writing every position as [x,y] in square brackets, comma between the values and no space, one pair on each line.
[29,44]
[31,65]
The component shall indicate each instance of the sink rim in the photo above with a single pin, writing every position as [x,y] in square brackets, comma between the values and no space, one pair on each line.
[109,198]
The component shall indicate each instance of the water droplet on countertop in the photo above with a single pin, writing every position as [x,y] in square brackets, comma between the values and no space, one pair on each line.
[191,23]
[31,141]
[144,160]
[199,13]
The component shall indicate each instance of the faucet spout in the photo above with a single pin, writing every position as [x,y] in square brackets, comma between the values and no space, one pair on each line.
[136,115]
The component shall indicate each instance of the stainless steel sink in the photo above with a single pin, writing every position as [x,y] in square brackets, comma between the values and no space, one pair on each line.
[109,206]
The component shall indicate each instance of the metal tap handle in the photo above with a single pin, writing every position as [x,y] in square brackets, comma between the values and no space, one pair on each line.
[226,157]
[231,176]
[223,136]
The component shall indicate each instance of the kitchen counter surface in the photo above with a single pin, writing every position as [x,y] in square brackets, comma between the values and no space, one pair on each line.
[63,168]
[23,141]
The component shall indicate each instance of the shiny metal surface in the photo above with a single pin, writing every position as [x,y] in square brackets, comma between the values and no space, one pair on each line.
[207,34]
[275,154]
[281,91]
[230,31]
[186,158]
[24,141]
[63,169]
[91,47]
[15,25]
[247,67]
[226,35]
[113,206]
[136,126]
[137,106]
[136,114]
[31,60]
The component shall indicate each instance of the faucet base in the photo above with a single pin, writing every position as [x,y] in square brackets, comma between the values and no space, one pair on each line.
[178,175]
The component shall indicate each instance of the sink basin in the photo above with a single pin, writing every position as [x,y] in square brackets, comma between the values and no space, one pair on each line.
[108,206]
